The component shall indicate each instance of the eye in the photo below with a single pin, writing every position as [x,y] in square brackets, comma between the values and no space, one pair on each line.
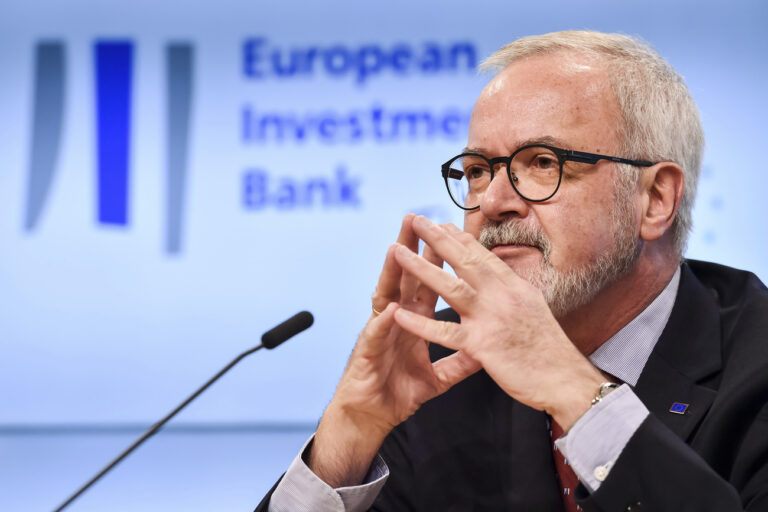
[475,172]
[545,161]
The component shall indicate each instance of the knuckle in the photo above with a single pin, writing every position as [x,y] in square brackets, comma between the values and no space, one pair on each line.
[453,334]
[469,259]
[461,290]
[447,331]
[436,229]
[465,238]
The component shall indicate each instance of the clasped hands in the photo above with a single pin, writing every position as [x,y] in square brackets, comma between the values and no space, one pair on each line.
[506,328]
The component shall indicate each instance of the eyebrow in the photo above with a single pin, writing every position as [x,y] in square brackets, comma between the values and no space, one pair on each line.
[546,139]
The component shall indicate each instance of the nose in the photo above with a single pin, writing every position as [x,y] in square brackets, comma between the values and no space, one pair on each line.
[500,200]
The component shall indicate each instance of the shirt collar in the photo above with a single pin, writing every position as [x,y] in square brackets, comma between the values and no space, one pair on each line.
[625,353]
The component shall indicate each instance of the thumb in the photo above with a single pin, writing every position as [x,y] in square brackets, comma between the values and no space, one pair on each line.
[454,368]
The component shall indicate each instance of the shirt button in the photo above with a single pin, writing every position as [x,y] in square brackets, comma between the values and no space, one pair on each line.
[635,507]
[601,472]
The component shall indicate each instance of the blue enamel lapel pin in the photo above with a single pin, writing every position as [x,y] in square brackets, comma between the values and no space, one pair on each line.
[678,408]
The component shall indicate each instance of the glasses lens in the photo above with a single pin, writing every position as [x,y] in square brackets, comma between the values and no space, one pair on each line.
[467,177]
[535,171]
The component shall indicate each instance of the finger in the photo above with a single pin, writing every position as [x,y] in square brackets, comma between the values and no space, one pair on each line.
[451,227]
[501,269]
[447,334]
[388,286]
[424,297]
[467,264]
[409,284]
[456,292]
[412,289]
[407,235]
[431,256]
[454,368]
[373,339]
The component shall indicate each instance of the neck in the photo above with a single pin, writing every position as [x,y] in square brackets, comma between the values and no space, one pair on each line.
[591,325]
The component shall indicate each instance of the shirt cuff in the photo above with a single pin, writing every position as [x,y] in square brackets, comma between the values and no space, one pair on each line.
[595,441]
[301,490]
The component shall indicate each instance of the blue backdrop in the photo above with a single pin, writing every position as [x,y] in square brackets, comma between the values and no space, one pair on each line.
[178,177]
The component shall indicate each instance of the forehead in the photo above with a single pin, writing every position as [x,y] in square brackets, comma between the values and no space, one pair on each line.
[563,96]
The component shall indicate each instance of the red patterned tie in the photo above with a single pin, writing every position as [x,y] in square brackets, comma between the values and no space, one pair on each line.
[568,479]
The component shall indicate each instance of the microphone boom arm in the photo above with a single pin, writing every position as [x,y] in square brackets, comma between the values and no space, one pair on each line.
[154,428]
[270,340]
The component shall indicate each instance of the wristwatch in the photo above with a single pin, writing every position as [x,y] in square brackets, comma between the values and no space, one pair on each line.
[606,388]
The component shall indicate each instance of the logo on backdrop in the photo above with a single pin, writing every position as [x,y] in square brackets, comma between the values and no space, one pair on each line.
[113,75]
[262,60]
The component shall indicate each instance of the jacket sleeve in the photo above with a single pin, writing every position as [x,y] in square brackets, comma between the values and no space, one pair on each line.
[657,471]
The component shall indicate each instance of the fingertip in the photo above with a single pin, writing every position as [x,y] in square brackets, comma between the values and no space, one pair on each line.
[407,235]
[422,220]
[388,312]
[396,248]
[404,252]
[402,314]
[382,320]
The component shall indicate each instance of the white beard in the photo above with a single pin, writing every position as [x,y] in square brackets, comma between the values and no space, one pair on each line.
[565,290]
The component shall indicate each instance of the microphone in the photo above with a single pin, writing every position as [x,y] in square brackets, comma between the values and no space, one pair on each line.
[272,338]
[288,329]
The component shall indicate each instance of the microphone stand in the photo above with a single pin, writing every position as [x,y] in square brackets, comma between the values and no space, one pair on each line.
[154,428]
[269,340]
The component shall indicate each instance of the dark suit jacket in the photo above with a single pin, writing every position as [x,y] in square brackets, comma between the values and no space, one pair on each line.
[476,449]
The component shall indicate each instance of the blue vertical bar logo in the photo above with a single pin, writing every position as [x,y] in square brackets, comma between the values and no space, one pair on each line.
[114,73]
[113,62]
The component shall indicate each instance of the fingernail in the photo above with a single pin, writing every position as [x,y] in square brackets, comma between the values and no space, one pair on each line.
[405,252]
[403,312]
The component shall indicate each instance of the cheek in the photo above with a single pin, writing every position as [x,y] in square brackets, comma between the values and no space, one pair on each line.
[580,232]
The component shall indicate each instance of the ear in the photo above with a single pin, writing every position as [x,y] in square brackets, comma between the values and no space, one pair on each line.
[662,191]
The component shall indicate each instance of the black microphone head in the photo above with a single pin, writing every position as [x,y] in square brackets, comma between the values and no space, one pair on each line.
[287,329]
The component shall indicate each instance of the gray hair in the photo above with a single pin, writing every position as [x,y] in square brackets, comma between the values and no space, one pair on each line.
[661,121]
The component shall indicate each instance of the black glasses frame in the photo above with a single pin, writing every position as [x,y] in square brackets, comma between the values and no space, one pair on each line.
[563,155]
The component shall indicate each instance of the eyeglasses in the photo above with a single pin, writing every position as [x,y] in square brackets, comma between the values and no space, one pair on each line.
[535,172]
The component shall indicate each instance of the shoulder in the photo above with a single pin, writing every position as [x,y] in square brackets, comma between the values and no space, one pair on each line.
[740,297]
[731,287]
[740,302]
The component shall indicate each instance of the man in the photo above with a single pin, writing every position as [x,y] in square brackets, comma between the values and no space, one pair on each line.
[576,315]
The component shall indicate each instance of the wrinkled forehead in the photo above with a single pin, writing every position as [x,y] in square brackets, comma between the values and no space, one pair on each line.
[564,95]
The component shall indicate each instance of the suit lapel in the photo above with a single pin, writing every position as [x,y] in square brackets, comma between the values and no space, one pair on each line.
[687,352]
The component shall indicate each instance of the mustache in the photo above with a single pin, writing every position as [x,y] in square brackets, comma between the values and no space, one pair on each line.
[512,232]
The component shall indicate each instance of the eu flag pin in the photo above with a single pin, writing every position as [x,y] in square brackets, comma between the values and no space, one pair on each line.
[678,408]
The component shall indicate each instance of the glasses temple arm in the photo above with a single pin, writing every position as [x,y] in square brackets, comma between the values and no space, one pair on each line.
[452,173]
